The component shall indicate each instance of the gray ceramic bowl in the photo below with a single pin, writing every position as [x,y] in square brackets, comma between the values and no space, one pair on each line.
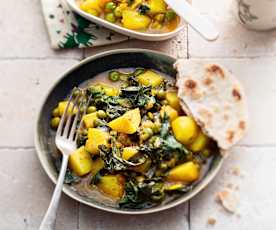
[44,141]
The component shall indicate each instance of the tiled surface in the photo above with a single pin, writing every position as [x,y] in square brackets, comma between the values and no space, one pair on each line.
[28,69]
[234,40]
[23,33]
[253,187]
[176,47]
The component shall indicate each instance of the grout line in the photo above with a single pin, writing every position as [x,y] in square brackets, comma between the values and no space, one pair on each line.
[234,57]
[17,147]
[78,219]
[187,43]
[189,215]
[40,58]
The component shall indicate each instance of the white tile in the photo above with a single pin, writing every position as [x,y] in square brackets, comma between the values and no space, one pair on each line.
[24,34]
[176,47]
[256,208]
[24,83]
[234,40]
[173,219]
[26,191]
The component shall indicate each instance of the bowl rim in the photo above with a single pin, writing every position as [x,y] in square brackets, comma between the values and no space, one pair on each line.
[128,32]
[66,188]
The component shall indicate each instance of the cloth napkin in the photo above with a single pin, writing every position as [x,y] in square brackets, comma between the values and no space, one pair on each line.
[69,30]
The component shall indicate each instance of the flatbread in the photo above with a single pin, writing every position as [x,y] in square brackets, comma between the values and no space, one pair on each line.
[214,98]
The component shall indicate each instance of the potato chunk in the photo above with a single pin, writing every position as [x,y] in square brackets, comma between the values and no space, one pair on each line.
[80,162]
[135,21]
[171,112]
[185,129]
[129,152]
[107,89]
[112,185]
[97,165]
[157,6]
[96,137]
[62,107]
[173,100]
[199,143]
[150,78]
[91,4]
[127,123]
[187,172]
[89,119]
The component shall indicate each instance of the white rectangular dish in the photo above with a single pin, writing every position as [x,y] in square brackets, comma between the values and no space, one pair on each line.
[131,33]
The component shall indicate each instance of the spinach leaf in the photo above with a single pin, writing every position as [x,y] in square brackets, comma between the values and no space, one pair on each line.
[143,9]
[142,195]
[112,163]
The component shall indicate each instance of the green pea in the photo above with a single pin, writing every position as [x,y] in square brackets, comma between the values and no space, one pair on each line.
[114,76]
[91,109]
[118,12]
[98,122]
[170,15]
[101,114]
[164,102]
[110,17]
[55,112]
[109,7]
[163,166]
[148,131]
[206,153]
[156,127]
[160,17]
[113,133]
[144,136]
[55,122]
[161,94]
[150,115]
[138,71]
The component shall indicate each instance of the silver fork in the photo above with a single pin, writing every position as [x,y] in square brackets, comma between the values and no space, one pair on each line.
[66,137]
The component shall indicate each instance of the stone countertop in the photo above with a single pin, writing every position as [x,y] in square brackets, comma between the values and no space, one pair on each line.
[25,58]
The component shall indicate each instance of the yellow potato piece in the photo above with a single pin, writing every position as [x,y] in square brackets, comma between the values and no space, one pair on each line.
[97,165]
[127,123]
[187,172]
[157,6]
[96,137]
[62,107]
[87,5]
[185,129]
[112,185]
[135,21]
[150,78]
[129,152]
[108,89]
[199,143]
[170,111]
[80,162]
[173,100]
[89,119]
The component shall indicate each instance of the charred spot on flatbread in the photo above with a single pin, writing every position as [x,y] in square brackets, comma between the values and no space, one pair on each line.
[191,89]
[230,136]
[207,81]
[236,94]
[242,125]
[214,69]
[190,84]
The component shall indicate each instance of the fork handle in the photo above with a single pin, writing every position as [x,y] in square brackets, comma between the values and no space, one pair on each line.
[48,222]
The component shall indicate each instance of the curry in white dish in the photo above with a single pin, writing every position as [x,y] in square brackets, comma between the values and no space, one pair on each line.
[153,16]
